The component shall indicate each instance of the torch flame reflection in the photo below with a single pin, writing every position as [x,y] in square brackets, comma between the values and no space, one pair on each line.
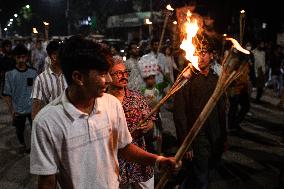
[191,29]
[238,46]
[169,7]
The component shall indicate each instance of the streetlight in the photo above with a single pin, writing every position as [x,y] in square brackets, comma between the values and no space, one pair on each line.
[15,15]
[28,6]
[5,29]
[11,20]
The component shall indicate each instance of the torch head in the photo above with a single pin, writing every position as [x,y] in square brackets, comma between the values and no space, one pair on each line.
[236,58]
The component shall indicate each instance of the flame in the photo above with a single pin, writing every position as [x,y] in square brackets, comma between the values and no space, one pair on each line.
[46,23]
[35,30]
[191,29]
[169,7]
[238,46]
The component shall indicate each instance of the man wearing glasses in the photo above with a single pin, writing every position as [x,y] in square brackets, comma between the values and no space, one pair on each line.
[135,108]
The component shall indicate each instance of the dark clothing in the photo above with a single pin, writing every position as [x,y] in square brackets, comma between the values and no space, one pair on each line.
[20,123]
[209,143]
[6,64]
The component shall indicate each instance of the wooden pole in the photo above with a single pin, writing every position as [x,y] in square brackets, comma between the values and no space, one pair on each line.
[222,83]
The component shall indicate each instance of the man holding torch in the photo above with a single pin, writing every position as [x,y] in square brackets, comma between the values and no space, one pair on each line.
[76,139]
[208,146]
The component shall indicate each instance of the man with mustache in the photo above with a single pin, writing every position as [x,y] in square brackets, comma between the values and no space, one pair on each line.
[135,108]
[77,138]
[17,89]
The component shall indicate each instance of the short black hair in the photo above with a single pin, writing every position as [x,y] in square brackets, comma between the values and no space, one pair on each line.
[20,49]
[79,54]
[6,42]
[154,40]
[53,46]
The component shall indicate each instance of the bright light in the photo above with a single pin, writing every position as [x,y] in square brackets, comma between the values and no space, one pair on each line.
[46,23]
[9,24]
[169,8]
[147,21]
[15,15]
[191,29]
[175,22]
[35,30]
[11,20]
[238,46]
[124,58]
[27,6]
[243,11]
[5,29]
[224,35]
[264,25]
[122,50]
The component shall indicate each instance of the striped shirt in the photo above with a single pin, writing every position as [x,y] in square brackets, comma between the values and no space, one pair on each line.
[48,86]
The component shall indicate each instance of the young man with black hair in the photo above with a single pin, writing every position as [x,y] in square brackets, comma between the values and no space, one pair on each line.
[76,138]
[17,89]
[49,84]
[208,146]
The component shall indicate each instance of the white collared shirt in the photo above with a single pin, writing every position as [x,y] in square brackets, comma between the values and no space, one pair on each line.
[81,148]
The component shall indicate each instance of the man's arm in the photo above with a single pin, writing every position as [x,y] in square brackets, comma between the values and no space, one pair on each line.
[46,182]
[8,101]
[36,107]
[133,153]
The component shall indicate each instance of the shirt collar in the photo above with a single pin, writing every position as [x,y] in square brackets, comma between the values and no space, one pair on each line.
[75,113]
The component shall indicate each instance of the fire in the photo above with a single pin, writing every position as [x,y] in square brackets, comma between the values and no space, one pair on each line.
[238,46]
[191,29]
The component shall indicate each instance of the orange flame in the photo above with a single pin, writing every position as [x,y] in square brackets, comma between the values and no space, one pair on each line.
[191,29]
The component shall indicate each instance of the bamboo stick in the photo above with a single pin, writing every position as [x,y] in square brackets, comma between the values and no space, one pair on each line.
[199,123]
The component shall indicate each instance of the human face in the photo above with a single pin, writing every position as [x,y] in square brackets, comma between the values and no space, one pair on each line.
[119,75]
[155,46]
[21,59]
[134,50]
[205,58]
[95,83]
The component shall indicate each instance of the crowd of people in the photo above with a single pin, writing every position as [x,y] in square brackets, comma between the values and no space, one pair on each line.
[83,101]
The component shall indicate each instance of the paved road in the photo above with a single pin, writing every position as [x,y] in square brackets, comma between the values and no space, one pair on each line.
[253,160]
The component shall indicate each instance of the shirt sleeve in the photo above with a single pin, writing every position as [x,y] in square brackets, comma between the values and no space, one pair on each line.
[42,156]
[124,136]
[7,85]
[37,92]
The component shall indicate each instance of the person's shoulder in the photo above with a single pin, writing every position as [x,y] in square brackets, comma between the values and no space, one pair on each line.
[108,99]
[50,111]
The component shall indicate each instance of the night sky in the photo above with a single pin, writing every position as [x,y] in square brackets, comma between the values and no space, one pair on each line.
[269,12]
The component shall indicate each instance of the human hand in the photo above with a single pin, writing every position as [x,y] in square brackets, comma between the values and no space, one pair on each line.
[146,127]
[189,155]
[168,163]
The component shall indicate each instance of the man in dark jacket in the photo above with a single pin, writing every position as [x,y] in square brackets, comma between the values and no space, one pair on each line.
[208,146]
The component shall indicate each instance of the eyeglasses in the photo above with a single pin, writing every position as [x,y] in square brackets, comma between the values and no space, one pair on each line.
[120,73]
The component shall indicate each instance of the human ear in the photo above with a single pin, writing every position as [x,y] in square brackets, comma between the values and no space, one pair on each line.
[78,78]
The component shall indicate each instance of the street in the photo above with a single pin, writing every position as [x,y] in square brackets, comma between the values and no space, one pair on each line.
[253,159]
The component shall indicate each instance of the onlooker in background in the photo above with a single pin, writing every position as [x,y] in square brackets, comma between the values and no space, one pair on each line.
[51,83]
[7,62]
[155,61]
[135,80]
[259,67]
[276,80]
[238,93]
[135,108]
[170,62]
[17,91]
[38,55]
